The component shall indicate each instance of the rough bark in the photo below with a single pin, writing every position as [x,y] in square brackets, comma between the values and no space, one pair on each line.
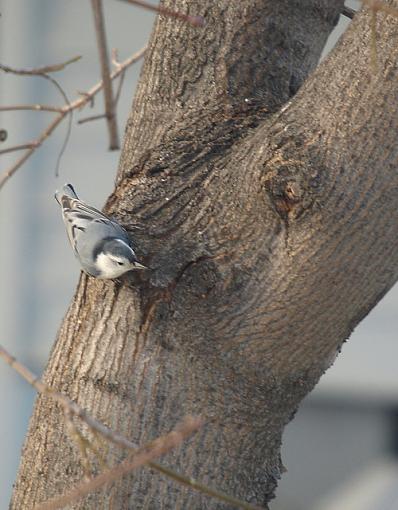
[271,231]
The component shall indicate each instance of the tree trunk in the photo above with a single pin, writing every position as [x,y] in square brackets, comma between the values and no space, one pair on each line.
[270,227]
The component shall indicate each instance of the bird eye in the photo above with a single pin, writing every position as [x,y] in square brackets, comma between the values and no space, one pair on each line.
[120,263]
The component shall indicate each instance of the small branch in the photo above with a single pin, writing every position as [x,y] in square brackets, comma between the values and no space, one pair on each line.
[85,98]
[23,146]
[105,71]
[196,21]
[116,63]
[45,134]
[37,71]
[119,88]
[34,107]
[115,58]
[144,455]
[42,72]
[93,117]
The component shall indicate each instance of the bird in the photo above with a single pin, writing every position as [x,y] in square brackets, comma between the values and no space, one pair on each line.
[101,245]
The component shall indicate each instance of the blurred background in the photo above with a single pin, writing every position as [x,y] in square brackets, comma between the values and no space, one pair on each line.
[340,450]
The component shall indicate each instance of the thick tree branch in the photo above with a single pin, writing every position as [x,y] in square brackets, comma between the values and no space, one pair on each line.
[247,52]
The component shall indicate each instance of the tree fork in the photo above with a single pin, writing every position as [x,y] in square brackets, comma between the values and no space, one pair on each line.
[270,226]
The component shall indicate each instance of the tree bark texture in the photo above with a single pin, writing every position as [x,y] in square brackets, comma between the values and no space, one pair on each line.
[269,201]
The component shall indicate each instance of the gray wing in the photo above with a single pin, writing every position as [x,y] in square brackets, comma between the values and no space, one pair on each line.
[85,225]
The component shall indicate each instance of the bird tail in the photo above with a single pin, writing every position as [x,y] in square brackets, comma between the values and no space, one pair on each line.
[66,192]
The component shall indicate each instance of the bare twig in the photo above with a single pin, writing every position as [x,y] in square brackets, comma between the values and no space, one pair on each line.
[45,134]
[144,455]
[105,72]
[91,118]
[65,402]
[38,71]
[196,21]
[85,98]
[20,147]
[112,436]
[115,58]
[70,116]
[33,107]
[42,72]
[116,63]
[119,88]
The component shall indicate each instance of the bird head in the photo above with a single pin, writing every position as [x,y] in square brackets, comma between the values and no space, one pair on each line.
[114,258]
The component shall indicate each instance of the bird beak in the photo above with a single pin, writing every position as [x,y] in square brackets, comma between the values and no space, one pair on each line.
[137,265]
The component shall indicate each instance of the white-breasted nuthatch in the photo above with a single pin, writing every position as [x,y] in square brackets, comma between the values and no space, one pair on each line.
[101,245]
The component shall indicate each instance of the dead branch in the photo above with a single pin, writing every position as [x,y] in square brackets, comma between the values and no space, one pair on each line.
[105,72]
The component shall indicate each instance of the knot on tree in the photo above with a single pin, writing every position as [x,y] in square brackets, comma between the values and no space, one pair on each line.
[291,188]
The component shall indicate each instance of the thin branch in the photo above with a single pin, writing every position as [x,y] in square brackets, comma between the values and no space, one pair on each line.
[38,71]
[87,97]
[112,436]
[33,107]
[69,128]
[20,147]
[42,72]
[144,455]
[116,63]
[45,134]
[65,402]
[91,118]
[196,21]
[105,72]
[115,58]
